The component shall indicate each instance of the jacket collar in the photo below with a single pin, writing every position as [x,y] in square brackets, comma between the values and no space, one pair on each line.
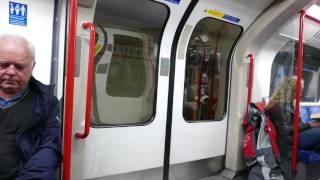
[39,87]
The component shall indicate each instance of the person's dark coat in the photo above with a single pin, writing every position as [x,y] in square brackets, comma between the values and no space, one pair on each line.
[40,144]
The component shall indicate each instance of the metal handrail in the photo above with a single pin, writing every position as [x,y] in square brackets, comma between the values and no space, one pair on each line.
[298,94]
[68,108]
[312,18]
[250,82]
[298,90]
[89,80]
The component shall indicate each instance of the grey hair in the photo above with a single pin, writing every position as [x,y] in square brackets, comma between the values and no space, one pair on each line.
[29,43]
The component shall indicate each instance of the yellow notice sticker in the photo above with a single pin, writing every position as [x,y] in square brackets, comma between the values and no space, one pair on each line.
[215,13]
[97,48]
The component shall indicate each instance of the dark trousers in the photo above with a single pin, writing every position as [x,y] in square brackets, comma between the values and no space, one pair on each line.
[309,139]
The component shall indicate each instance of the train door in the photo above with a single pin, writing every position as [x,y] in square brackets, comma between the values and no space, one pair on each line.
[129,88]
[201,83]
[199,121]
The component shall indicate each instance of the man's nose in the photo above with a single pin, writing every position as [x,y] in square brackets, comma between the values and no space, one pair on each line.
[11,70]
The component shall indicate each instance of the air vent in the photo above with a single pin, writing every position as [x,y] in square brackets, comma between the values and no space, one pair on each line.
[314,40]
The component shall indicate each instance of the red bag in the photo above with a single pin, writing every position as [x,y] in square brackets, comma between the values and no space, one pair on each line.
[249,145]
[252,125]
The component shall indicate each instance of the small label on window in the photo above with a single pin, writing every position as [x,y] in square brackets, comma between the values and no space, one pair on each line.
[222,15]
[174,1]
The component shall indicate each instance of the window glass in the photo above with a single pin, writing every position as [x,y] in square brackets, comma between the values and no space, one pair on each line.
[126,77]
[285,65]
[124,86]
[206,74]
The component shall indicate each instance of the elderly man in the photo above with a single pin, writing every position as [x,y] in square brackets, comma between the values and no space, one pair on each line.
[29,124]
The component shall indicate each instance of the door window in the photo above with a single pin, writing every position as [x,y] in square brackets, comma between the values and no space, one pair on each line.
[206,74]
[124,86]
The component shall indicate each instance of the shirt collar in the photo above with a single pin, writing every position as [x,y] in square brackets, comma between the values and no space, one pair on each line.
[6,103]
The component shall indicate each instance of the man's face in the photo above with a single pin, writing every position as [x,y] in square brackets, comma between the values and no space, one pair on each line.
[16,66]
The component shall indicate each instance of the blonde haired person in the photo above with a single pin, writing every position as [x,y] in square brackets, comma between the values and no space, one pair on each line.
[281,109]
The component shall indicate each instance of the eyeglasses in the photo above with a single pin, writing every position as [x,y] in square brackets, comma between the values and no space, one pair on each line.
[6,64]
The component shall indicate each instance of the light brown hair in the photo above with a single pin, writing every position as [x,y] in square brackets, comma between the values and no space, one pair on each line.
[285,93]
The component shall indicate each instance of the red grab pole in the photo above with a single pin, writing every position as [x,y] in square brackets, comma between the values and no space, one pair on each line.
[89,81]
[68,107]
[250,82]
[298,93]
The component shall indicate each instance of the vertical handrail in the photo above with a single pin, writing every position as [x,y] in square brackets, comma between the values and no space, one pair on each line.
[298,90]
[199,84]
[250,82]
[68,108]
[89,80]
[298,94]
[214,63]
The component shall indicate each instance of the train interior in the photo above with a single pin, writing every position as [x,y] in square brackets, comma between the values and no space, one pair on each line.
[276,56]
[210,63]
[170,84]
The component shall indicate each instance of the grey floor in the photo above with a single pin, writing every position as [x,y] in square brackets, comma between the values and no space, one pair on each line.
[240,176]
[219,177]
[305,172]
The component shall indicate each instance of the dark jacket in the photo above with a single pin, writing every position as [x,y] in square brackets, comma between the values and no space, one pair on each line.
[283,115]
[40,144]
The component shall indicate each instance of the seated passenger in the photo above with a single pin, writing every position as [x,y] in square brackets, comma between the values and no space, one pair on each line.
[281,112]
[310,139]
[29,123]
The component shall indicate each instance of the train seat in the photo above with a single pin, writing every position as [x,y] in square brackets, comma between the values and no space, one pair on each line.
[308,156]
[307,171]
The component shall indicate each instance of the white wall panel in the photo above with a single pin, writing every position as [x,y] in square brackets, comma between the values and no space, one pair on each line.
[38,30]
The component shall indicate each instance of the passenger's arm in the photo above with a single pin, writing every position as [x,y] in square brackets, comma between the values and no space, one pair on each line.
[43,163]
[305,114]
[283,117]
[314,124]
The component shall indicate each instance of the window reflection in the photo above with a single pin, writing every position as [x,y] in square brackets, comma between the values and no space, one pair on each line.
[126,77]
[125,61]
[206,72]
[285,65]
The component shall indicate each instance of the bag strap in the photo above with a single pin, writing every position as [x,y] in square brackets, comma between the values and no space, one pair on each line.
[258,105]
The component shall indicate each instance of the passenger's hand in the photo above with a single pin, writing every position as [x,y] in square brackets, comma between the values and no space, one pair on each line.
[314,124]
